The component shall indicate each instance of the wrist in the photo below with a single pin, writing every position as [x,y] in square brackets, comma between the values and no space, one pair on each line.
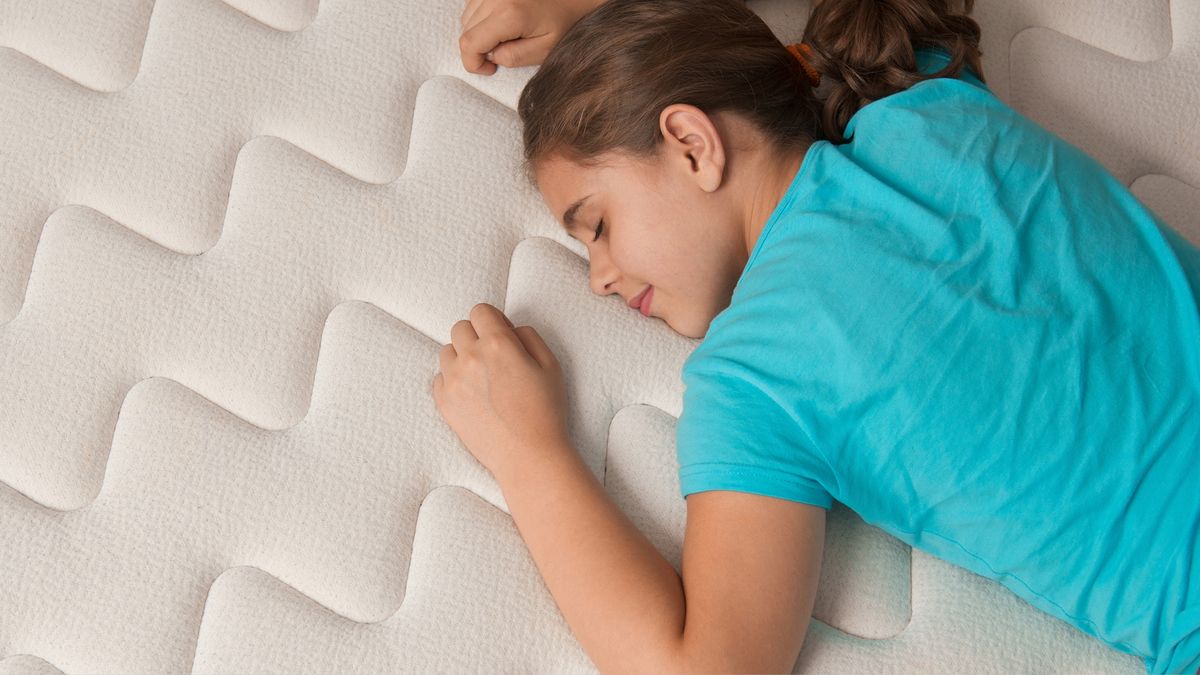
[537,467]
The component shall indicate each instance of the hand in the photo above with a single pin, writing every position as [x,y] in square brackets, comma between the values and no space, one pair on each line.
[501,390]
[514,33]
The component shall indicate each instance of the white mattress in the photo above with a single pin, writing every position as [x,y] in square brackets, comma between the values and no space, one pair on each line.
[233,237]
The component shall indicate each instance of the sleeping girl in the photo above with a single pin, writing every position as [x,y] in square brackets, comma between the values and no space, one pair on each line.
[912,299]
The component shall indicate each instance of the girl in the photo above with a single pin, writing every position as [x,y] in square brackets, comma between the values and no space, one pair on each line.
[913,300]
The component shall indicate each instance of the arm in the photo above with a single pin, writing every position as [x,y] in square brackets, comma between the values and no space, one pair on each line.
[622,600]
[750,569]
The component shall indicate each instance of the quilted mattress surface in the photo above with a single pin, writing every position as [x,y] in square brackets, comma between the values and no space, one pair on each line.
[234,235]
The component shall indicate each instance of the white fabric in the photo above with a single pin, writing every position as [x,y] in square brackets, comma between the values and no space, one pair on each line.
[233,237]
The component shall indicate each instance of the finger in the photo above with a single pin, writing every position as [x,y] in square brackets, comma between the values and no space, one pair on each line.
[469,11]
[486,33]
[446,357]
[488,319]
[477,40]
[537,348]
[463,336]
[523,52]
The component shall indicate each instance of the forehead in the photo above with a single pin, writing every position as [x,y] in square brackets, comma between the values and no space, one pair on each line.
[570,188]
[567,188]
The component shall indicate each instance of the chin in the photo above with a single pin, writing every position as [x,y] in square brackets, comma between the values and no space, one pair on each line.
[689,329]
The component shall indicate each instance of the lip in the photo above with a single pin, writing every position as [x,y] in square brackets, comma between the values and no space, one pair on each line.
[644,305]
[636,300]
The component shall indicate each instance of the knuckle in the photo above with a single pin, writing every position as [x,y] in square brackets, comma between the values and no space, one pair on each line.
[505,346]
[507,14]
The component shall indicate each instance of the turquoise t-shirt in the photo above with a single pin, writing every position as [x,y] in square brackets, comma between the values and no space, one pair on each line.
[967,331]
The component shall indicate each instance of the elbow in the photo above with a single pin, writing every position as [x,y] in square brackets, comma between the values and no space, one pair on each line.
[671,659]
[689,663]
[729,660]
[677,662]
[728,667]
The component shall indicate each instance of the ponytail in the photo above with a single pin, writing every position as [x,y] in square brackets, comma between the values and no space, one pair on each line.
[867,49]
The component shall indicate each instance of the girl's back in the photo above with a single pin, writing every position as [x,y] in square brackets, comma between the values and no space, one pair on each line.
[967,331]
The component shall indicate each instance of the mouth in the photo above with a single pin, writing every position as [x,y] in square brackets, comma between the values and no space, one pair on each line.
[641,301]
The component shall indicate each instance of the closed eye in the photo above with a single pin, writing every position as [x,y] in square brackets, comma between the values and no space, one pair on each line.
[598,229]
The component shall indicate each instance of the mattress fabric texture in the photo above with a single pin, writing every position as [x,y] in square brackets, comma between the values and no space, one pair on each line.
[234,235]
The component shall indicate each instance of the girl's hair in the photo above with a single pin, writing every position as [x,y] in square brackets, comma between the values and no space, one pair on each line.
[602,88]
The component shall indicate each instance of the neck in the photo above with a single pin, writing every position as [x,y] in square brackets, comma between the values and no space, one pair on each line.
[777,176]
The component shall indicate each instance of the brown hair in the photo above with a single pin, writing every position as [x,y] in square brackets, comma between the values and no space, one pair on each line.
[602,88]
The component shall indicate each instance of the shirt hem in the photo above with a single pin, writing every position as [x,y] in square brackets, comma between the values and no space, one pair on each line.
[751,479]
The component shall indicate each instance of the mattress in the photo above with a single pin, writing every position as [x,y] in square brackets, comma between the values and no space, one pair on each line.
[234,235]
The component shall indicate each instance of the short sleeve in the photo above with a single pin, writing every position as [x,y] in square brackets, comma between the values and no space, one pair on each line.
[732,436]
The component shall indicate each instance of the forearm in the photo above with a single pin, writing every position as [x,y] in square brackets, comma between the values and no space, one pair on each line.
[622,600]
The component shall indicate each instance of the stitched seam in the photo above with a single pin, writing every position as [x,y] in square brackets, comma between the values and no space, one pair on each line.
[749,469]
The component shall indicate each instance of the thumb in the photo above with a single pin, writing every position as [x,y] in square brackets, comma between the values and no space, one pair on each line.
[517,53]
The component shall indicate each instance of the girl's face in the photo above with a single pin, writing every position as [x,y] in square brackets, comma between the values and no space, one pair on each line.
[681,226]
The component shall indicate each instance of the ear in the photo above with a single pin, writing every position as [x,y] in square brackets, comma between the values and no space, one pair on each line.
[694,144]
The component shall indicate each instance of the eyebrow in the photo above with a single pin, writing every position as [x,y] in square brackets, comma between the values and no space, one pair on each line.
[569,214]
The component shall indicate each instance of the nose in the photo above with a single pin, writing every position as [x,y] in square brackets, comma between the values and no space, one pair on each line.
[602,274]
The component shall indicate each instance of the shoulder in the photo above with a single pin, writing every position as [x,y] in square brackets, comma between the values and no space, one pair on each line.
[939,107]
[931,60]
[939,99]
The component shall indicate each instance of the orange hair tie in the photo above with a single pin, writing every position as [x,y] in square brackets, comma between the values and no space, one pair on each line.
[803,53]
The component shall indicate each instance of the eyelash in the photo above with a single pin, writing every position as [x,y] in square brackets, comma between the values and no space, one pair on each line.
[598,229]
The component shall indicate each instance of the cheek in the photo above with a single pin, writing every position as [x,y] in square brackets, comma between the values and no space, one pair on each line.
[679,267]
[642,258]
[680,254]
